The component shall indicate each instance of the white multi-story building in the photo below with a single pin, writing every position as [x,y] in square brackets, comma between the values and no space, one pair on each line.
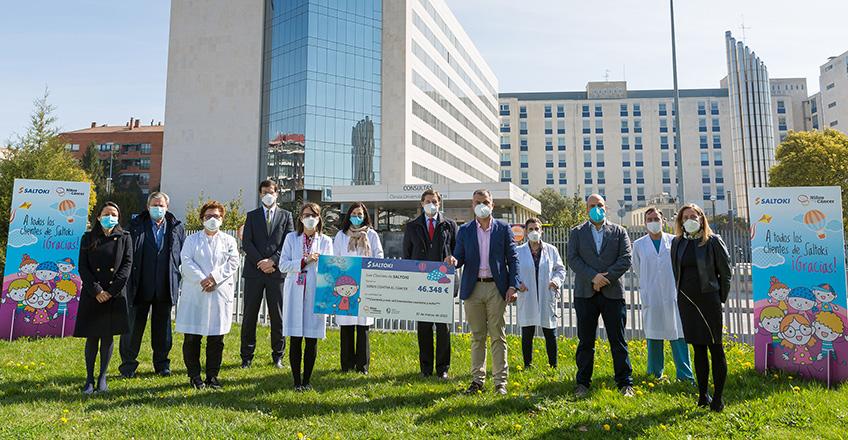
[372,92]
[832,100]
[617,142]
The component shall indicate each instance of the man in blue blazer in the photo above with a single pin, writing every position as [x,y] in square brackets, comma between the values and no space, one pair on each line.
[486,249]
[599,254]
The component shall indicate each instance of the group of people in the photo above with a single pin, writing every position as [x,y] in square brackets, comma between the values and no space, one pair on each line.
[152,267]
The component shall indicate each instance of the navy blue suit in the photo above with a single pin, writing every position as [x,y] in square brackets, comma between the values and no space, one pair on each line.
[503,260]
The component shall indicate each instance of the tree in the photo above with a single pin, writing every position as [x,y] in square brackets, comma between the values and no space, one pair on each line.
[233,219]
[90,162]
[39,154]
[561,211]
[813,158]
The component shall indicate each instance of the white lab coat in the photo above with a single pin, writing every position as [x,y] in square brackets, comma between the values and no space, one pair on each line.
[340,248]
[537,305]
[207,313]
[657,289]
[298,303]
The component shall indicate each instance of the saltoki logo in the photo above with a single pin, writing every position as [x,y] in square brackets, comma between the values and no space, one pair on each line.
[772,201]
[25,190]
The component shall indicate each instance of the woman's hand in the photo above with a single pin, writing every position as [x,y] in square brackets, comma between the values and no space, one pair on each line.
[208,284]
[313,257]
[103,296]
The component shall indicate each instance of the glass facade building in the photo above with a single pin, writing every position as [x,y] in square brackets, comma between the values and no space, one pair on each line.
[322,84]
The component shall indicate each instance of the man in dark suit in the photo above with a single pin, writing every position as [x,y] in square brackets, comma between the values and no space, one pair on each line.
[265,230]
[599,254]
[431,237]
[154,283]
[486,249]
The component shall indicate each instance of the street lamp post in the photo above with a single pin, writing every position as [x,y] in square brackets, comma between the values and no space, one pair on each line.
[678,157]
[713,200]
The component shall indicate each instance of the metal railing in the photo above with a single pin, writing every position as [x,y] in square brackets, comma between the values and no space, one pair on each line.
[738,310]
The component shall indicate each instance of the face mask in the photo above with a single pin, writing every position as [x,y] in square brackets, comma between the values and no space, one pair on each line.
[212,224]
[157,212]
[692,226]
[430,209]
[534,236]
[108,221]
[597,214]
[356,220]
[654,227]
[309,222]
[269,199]
[482,211]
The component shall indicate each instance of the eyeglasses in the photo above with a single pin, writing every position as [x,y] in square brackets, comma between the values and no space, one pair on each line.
[208,216]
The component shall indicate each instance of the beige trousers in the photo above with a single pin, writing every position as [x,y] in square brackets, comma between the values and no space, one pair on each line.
[484,310]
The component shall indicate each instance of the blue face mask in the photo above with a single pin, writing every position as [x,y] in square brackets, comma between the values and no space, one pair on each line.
[108,221]
[157,212]
[597,214]
[356,220]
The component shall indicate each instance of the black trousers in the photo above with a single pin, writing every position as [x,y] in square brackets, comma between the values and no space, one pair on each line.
[355,349]
[161,339]
[254,289]
[308,354]
[527,335]
[425,347]
[614,313]
[214,355]
[702,368]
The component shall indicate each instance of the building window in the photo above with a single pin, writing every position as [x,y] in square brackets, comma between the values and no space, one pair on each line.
[549,129]
[549,143]
[599,159]
[549,178]
[830,86]
[666,177]
[523,143]
[560,111]
[506,175]
[637,110]
[72,147]
[623,111]
[522,112]
[626,178]
[832,104]
[815,122]
[663,109]
[587,177]
[702,125]
[599,111]
[716,158]
[716,125]
[714,108]
[601,178]
[585,111]
[587,143]
[625,158]
[716,141]
[719,175]
[625,143]
[707,192]
[781,107]
[781,123]
[624,127]
[587,159]
[834,123]
[504,109]
[599,142]
[548,113]
[703,143]
[637,125]
[525,180]
[505,160]
[549,160]
[664,159]
[562,178]
[106,147]
[702,108]
[560,143]
[705,158]
[562,160]
[663,125]
[561,126]
[639,161]
[522,126]
[638,144]
[599,125]
[705,175]
[586,127]
[504,125]
[628,194]
[640,176]
[505,145]
[663,142]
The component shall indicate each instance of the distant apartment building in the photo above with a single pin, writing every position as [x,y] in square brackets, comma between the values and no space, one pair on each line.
[133,151]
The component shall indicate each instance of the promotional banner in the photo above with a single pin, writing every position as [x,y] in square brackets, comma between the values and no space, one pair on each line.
[798,269]
[41,283]
[381,288]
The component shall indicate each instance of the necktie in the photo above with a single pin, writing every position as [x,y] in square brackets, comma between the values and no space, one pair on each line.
[268,222]
[430,228]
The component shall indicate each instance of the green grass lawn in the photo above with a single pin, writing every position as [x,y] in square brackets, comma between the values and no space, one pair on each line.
[40,382]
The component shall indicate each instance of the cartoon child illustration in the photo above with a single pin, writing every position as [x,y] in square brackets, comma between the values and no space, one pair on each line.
[27,268]
[47,272]
[66,266]
[828,327]
[17,293]
[345,288]
[825,295]
[770,317]
[797,335]
[38,300]
[801,300]
[63,293]
[778,293]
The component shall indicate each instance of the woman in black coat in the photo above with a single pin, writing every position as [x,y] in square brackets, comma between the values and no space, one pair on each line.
[104,267]
[702,271]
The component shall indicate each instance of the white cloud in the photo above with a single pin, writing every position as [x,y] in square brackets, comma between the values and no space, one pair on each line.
[764,260]
[19,238]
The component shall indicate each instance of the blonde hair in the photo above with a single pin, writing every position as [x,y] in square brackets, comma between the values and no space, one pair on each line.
[706,231]
[770,312]
[831,320]
[20,283]
[67,286]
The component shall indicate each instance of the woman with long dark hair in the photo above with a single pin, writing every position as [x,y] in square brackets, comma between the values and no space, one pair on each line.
[356,237]
[104,266]
[702,273]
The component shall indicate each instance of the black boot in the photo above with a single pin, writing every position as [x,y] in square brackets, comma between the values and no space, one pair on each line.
[101,384]
[197,383]
[704,400]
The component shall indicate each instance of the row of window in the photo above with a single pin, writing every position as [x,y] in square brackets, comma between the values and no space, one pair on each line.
[435,150]
[624,110]
[440,126]
[118,148]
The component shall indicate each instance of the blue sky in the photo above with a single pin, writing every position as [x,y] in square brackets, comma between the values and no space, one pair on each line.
[106,61]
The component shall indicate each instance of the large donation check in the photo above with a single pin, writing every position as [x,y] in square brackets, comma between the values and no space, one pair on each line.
[380,288]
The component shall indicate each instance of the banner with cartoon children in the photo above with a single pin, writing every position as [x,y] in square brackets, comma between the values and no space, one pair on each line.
[41,283]
[798,269]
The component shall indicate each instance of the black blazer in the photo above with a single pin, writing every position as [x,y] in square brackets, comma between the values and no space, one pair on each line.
[417,244]
[140,230]
[105,266]
[713,263]
[258,245]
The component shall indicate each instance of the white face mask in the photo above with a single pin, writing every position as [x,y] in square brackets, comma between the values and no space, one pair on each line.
[534,236]
[654,227]
[309,223]
[212,224]
[692,226]
[482,211]
[431,209]
[269,199]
